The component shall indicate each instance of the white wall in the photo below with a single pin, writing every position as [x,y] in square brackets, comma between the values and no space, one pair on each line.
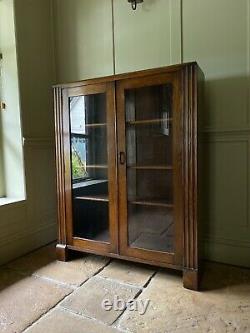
[12,150]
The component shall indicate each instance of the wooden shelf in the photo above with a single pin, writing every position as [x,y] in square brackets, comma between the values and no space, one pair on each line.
[151,167]
[152,202]
[152,241]
[96,166]
[148,121]
[97,197]
[96,125]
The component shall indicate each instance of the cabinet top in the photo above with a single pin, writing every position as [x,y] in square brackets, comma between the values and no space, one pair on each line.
[118,77]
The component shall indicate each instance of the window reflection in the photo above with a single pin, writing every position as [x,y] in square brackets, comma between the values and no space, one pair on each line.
[89,167]
[79,138]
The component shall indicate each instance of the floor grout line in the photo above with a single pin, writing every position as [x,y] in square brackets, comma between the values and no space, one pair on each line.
[134,286]
[41,277]
[98,271]
[44,315]
[57,282]
[54,281]
[73,289]
[80,314]
[120,322]
[83,315]
[151,278]
[116,323]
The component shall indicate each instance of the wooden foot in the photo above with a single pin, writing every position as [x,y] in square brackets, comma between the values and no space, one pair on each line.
[62,253]
[191,279]
[65,254]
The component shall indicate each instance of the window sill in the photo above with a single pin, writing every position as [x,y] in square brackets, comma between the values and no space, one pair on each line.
[9,201]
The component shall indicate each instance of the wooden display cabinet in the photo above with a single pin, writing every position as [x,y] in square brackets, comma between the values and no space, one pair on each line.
[126,153]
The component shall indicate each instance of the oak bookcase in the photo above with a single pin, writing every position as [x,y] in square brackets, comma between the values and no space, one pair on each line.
[127,167]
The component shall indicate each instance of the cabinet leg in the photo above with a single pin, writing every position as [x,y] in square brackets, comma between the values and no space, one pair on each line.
[191,279]
[62,253]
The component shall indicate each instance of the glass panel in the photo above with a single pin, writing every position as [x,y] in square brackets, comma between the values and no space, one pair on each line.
[150,167]
[89,167]
[151,227]
[150,185]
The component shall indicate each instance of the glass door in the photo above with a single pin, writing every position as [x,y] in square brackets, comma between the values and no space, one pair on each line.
[92,166]
[149,171]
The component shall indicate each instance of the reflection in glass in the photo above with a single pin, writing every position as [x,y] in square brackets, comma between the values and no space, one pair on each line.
[89,167]
[151,227]
[150,167]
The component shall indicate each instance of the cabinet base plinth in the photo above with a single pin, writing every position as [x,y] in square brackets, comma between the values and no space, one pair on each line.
[191,279]
[63,253]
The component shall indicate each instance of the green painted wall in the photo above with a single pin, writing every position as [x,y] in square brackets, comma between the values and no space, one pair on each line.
[148,37]
[2,178]
[31,222]
[75,42]
[84,40]
[35,52]
[217,35]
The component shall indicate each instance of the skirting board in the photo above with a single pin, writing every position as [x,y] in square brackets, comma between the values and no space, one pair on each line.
[232,254]
[214,251]
[27,243]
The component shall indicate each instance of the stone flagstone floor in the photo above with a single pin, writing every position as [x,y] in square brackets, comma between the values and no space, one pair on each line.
[39,294]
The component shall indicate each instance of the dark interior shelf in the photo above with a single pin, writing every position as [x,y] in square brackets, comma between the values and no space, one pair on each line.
[151,202]
[96,197]
[148,121]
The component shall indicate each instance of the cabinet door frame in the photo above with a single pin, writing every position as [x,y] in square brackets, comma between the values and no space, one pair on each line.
[175,79]
[71,240]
